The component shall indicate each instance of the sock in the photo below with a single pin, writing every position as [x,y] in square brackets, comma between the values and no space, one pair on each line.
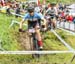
[40,43]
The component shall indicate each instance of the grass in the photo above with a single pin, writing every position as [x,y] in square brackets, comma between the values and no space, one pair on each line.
[51,42]
[44,59]
[10,42]
[70,39]
[8,35]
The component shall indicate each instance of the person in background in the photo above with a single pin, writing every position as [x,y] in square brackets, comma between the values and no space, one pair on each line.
[69,18]
[17,11]
[23,6]
[8,10]
[52,12]
[74,20]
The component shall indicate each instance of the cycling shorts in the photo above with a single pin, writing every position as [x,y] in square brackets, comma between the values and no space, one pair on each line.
[34,24]
[52,16]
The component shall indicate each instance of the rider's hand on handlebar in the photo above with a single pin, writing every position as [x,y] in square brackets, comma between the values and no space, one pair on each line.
[20,30]
[44,27]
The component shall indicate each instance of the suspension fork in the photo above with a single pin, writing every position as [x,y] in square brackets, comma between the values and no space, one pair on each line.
[35,42]
[35,45]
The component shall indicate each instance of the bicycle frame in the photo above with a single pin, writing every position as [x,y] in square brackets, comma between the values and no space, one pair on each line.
[50,23]
[34,44]
[33,39]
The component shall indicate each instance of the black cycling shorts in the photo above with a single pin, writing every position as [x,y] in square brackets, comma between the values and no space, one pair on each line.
[33,24]
[52,16]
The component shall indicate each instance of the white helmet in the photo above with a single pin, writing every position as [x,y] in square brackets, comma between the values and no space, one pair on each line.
[37,9]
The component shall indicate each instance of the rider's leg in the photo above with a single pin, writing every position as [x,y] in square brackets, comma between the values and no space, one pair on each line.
[40,43]
[54,22]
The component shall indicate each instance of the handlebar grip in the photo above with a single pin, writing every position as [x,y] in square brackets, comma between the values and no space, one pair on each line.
[43,26]
[20,30]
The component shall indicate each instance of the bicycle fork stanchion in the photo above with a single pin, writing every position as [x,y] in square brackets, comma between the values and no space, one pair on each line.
[60,24]
[51,25]
[32,46]
[56,24]
[35,45]
[35,42]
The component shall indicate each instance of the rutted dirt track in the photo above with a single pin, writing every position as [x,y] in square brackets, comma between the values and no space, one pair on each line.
[24,40]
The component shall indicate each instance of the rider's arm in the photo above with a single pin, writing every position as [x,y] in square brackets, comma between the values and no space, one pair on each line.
[48,10]
[56,12]
[43,19]
[21,23]
[44,23]
[24,19]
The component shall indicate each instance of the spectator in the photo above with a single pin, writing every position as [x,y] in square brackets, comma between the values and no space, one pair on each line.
[17,10]
[8,10]
[23,6]
[74,20]
[69,18]
[61,6]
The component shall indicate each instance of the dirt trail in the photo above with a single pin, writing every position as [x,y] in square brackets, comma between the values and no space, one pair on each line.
[25,41]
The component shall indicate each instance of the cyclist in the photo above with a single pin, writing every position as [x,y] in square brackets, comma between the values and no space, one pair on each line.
[32,18]
[52,12]
[18,10]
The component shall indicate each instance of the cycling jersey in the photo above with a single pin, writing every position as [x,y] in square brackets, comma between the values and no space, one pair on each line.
[37,9]
[33,18]
[52,11]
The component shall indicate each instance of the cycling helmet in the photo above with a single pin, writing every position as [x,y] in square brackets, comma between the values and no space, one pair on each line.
[30,9]
[37,9]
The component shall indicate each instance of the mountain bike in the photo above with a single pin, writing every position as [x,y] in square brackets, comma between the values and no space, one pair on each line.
[33,42]
[50,23]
